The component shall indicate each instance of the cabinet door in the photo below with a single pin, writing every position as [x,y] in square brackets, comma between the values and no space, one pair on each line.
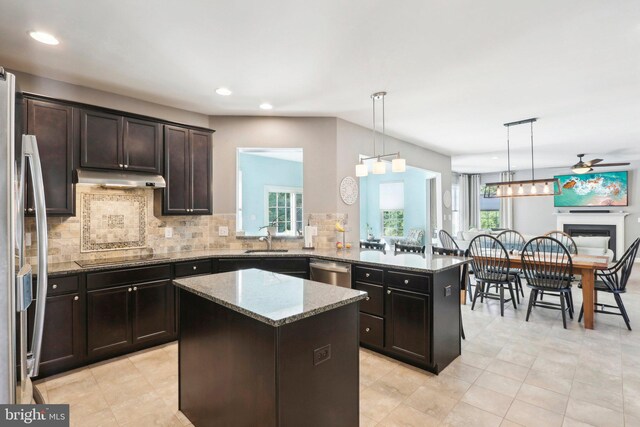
[176,170]
[108,321]
[153,311]
[200,180]
[101,140]
[53,126]
[142,144]
[408,325]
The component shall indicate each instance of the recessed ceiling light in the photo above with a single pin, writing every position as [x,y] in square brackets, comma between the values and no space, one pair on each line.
[223,91]
[266,106]
[43,37]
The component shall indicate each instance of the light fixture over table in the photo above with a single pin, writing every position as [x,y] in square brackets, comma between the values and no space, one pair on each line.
[398,164]
[524,188]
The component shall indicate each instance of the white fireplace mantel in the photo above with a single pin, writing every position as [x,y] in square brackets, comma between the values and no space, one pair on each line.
[609,218]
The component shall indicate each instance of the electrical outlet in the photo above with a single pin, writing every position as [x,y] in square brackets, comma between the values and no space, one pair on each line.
[321,354]
[223,231]
[168,232]
[27,239]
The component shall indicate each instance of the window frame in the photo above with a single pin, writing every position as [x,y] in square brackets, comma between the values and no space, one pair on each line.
[293,218]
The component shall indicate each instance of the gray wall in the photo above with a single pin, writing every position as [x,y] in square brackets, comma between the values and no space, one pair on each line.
[534,215]
[71,92]
[315,135]
[353,140]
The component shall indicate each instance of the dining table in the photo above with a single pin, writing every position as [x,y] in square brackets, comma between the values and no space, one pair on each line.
[586,266]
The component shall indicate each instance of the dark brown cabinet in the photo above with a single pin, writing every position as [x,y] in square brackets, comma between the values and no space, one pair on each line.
[109,321]
[54,126]
[112,141]
[153,311]
[408,324]
[188,172]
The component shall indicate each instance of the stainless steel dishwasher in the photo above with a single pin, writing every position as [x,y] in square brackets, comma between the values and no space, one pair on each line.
[332,273]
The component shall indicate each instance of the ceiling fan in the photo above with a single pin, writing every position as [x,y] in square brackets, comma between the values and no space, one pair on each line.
[584,167]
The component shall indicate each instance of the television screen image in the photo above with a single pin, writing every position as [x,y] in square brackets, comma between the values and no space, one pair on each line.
[593,189]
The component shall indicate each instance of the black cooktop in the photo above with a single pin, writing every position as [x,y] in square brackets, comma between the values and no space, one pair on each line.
[120,260]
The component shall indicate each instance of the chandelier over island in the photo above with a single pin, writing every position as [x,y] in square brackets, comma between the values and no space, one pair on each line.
[398,164]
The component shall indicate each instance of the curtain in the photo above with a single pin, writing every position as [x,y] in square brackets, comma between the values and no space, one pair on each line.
[506,204]
[474,201]
[463,182]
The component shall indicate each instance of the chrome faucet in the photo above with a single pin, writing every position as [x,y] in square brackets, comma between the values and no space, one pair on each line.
[268,238]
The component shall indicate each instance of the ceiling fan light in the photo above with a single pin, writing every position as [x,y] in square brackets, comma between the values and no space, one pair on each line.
[361,170]
[398,165]
[581,169]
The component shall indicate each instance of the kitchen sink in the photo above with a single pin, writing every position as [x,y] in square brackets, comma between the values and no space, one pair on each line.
[256,251]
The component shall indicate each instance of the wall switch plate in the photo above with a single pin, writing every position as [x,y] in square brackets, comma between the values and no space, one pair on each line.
[223,231]
[321,354]
[168,232]
[27,238]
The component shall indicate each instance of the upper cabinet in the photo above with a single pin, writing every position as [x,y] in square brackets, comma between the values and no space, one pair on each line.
[188,172]
[111,141]
[55,127]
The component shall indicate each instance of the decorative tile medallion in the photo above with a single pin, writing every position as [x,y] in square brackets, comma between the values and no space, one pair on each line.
[113,221]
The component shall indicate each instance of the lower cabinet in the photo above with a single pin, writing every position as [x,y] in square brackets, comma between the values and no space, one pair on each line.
[408,324]
[120,318]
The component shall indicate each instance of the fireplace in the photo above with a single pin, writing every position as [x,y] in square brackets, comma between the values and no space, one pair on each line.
[590,223]
[601,230]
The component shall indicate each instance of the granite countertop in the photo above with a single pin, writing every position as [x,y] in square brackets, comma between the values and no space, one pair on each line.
[427,263]
[272,298]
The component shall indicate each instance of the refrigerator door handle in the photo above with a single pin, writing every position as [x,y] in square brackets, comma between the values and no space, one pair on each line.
[31,154]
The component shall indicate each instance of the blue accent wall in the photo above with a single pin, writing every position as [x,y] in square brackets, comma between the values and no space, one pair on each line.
[415,200]
[258,172]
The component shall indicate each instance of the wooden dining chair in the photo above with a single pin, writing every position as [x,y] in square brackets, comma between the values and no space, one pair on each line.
[514,242]
[570,245]
[614,280]
[491,266]
[547,266]
[446,240]
[399,247]
[464,272]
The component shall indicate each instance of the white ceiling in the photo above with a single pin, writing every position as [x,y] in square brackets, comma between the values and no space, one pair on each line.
[455,70]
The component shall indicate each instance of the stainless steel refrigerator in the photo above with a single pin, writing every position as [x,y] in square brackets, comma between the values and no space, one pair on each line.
[19,359]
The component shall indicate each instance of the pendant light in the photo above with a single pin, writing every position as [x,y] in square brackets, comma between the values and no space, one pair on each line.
[379,167]
[529,187]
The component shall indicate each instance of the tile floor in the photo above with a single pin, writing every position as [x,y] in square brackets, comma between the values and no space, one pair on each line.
[511,373]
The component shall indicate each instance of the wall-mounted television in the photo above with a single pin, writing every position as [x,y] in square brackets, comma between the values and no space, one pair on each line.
[593,189]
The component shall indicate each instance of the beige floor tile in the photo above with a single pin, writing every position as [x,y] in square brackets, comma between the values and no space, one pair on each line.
[119,371]
[395,383]
[88,404]
[160,419]
[140,408]
[570,422]
[83,385]
[543,398]
[465,415]
[366,421]
[509,423]
[487,400]
[594,414]
[549,381]
[102,418]
[593,375]
[373,368]
[183,418]
[461,371]
[509,370]
[516,357]
[498,383]
[115,392]
[609,397]
[562,370]
[406,416]
[532,416]
[476,360]
[73,377]
[377,405]
[431,402]
[451,386]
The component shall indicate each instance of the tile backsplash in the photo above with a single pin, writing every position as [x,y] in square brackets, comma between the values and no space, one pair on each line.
[112,223]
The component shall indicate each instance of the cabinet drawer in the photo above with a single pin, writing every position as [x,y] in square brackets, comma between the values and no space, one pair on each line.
[374,303]
[371,275]
[193,268]
[61,285]
[371,330]
[127,276]
[234,264]
[286,265]
[402,280]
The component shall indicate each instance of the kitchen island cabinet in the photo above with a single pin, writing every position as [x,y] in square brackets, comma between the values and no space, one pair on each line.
[262,348]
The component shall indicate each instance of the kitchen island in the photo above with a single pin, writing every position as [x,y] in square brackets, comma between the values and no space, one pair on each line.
[261,348]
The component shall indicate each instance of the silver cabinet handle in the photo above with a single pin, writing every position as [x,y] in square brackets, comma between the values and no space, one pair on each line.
[135,288]
[54,286]
[76,298]
[389,292]
[406,282]
[367,298]
[367,275]
[129,289]
[195,267]
[368,330]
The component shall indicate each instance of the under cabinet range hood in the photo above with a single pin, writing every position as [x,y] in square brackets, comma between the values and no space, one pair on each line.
[119,179]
